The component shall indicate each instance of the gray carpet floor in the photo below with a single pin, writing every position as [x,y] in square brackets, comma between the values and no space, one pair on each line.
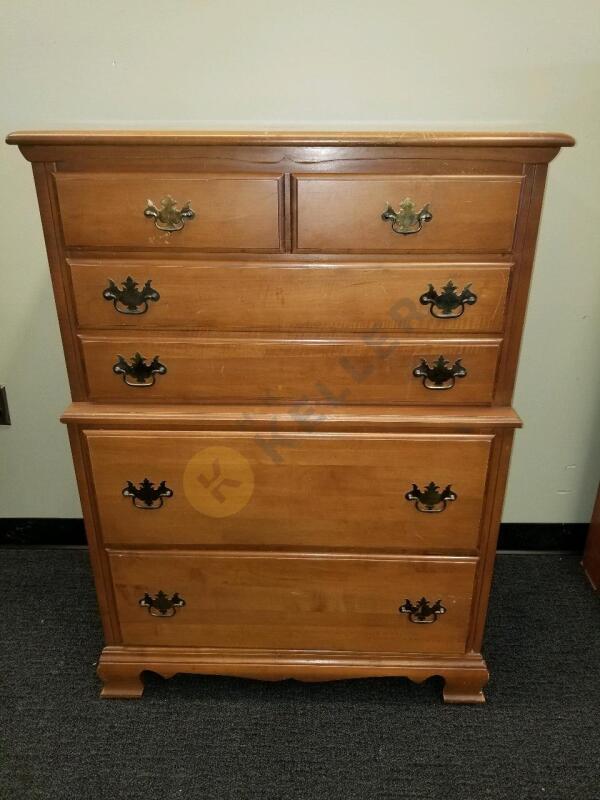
[215,738]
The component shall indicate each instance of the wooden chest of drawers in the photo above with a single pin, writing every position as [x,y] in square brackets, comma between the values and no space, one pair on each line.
[292,359]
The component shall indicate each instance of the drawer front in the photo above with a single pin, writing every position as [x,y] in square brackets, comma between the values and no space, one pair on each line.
[280,297]
[343,213]
[293,489]
[231,212]
[292,602]
[361,369]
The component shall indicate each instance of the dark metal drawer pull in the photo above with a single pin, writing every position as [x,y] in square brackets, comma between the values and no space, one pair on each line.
[431,500]
[167,217]
[146,496]
[408,219]
[449,304]
[162,605]
[422,612]
[143,374]
[440,374]
[129,299]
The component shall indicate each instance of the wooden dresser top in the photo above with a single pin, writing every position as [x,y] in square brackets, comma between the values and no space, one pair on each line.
[300,138]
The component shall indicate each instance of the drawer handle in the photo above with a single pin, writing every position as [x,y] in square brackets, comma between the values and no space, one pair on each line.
[440,374]
[162,605]
[449,303]
[147,496]
[143,373]
[422,612]
[129,299]
[408,219]
[431,500]
[167,217]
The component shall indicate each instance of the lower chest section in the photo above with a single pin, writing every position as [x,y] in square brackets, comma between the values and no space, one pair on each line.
[310,540]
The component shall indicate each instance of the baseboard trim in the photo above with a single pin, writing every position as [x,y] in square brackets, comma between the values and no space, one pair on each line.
[514,536]
[42,532]
[543,537]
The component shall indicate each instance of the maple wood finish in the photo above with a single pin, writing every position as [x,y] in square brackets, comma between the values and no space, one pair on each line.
[342,213]
[327,298]
[288,500]
[231,213]
[342,490]
[264,369]
[339,602]
[297,417]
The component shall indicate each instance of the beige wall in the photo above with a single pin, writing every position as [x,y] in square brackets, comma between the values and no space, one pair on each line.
[457,65]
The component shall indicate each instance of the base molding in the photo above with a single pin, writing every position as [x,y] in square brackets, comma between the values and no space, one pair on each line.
[121,668]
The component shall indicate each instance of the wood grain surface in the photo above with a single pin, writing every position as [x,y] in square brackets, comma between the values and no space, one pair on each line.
[293,602]
[254,369]
[323,490]
[286,297]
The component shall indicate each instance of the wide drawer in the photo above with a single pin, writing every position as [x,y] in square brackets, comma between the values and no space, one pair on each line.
[231,212]
[343,213]
[292,602]
[284,297]
[289,489]
[368,368]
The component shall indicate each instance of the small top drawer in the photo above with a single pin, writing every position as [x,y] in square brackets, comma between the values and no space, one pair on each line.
[389,214]
[207,212]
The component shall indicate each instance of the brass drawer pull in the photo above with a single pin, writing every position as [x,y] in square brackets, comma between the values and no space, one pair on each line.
[162,605]
[408,219]
[143,374]
[146,496]
[431,500]
[449,304]
[167,217]
[129,299]
[440,374]
[422,612]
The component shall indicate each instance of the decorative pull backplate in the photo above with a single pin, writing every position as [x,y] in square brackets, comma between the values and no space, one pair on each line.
[167,217]
[137,372]
[162,605]
[422,612]
[441,374]
[408,219]
[147,495]
[449,304]
[431,500]
[129,299]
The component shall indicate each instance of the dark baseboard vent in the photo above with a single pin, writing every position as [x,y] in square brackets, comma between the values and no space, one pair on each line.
[48,532]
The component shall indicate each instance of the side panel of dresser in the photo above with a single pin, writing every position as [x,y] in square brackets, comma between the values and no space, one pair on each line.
[63,295]
[66,318]
[524,246]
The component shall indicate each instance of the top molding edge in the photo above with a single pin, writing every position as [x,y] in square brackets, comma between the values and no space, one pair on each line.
[298,138]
